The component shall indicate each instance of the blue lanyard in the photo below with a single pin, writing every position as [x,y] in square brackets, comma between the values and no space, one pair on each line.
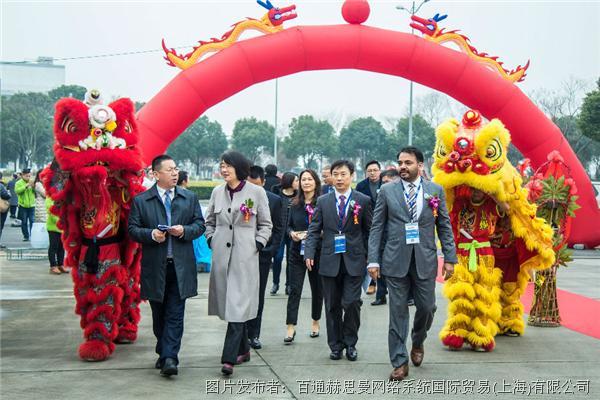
[417,193]
[341,220]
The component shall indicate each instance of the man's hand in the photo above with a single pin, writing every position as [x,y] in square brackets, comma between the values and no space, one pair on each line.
[374,273]
[158,236]
[176,230]
[295,236]
[309,263]
[447,270]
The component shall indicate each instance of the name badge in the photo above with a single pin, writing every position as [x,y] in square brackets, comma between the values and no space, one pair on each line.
[339,244]
[302,244]
[412,233]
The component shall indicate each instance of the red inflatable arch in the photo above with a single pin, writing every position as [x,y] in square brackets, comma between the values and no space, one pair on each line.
[354,46]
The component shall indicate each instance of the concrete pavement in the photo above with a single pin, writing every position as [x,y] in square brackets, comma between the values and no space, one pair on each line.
[40,334]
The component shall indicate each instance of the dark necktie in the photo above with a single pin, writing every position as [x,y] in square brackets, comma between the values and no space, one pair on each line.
[168,209]
[342,210]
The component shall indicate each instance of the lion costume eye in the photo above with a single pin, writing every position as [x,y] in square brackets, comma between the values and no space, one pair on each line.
[494,150]
[68,125]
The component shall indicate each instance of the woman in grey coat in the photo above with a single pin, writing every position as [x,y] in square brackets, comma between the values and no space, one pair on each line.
[238,226]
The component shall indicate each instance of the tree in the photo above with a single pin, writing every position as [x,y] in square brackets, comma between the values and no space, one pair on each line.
[201,143]
[434,107]
[75,91]
[423,137]
[252,137]
[26,121]
[364,139]
[589,118]
[309,139]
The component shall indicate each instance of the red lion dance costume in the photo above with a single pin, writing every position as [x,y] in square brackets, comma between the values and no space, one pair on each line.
[497,250]
[96,173]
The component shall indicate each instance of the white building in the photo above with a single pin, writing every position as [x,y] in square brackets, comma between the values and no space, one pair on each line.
[23,77]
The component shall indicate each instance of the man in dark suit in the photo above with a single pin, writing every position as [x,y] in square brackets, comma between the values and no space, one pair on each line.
[271,179]
[326,180]
[370,187]
[402,249]
[165,219]
[340,226]
[265,257]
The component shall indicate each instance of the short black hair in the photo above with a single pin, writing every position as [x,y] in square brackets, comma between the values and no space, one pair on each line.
[341,163]
[390,173]
[371,163]
[26,170]
[239,162]
[157,161]
[414,151]
[183,177]
[287,180]
[257,172]
[271,170]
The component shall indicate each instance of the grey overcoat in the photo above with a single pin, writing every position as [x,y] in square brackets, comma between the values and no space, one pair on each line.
[234,275]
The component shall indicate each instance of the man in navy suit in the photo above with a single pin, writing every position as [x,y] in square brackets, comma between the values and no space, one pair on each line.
[265,257]
[340,227]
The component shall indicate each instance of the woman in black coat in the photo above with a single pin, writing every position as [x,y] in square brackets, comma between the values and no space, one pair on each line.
[287,191]
[301,212]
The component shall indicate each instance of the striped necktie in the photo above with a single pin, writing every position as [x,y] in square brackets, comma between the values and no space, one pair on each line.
[412,202]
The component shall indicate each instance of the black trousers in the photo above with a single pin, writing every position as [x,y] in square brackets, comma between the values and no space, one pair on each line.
[56,252]
[2,221]
[342,308]
[13,211]
[167,317]
[265,261]
[236,342]
[298,271]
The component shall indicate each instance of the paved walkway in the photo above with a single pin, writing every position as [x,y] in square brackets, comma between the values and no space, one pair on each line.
[40,333]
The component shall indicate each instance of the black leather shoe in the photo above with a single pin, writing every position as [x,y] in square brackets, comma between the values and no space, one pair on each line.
[255,343]
[336,355]
[411,302]
[169,367]
[159,363]
[379,302]
[351,353]
[274,289]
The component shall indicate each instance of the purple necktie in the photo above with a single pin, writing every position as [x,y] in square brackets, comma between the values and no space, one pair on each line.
[342,209]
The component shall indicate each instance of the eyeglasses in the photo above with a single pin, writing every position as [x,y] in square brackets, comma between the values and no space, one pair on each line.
[170,170]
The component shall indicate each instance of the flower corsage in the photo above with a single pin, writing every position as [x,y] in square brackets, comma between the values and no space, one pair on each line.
[433,201]
[355,211]
[310,210]
[247,209]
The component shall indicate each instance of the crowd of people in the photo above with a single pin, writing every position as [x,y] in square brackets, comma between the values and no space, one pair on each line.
[24,200]
[325,229]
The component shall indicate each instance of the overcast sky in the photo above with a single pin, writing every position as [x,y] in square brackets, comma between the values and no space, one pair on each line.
[561,38]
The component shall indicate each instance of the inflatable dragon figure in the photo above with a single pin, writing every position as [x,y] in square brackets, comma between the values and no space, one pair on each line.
[271,22]
[499,238]
[95,174]
[431,31]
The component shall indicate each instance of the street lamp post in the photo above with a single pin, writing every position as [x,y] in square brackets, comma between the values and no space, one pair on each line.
[275,134]
[413,10]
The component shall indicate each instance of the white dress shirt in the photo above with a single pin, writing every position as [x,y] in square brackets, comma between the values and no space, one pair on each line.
[346,195]
[161,194]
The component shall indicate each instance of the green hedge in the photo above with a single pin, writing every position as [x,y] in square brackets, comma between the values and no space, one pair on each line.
[203,192]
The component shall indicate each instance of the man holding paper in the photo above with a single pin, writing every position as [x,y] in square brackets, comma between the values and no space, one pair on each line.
[408,213]
[165,219]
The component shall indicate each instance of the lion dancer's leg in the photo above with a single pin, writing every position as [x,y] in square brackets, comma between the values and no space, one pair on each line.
[514,283]
[484,325]
[460,294]
[99,296]
[130,306]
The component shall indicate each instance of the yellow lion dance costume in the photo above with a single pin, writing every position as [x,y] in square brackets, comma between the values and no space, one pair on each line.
[497,247]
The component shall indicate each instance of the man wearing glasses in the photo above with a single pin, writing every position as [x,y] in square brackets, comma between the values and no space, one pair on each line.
[370,187]
[165,219]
